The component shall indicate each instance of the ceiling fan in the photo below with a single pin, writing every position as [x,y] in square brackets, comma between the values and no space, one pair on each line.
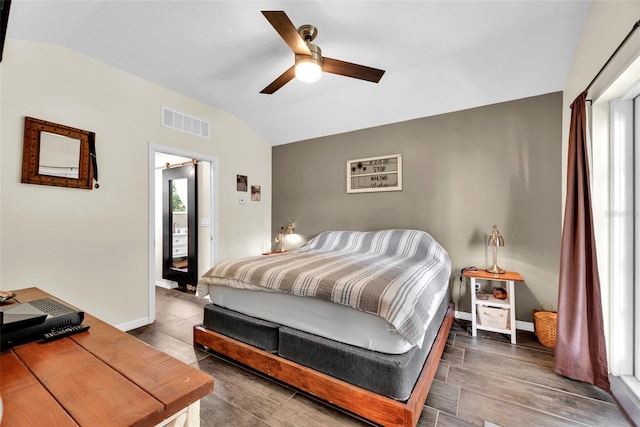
[309,62]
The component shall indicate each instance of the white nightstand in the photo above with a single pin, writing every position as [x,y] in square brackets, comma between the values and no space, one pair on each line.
[509,277]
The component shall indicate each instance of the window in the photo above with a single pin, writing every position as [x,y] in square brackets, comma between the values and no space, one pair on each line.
[624,227]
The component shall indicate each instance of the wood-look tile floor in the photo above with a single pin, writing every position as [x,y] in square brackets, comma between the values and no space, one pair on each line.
[478,379]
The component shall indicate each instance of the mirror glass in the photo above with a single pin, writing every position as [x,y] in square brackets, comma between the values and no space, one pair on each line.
[179,224]
[59,155]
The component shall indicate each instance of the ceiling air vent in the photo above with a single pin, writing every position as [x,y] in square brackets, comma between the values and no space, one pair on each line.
[184,122]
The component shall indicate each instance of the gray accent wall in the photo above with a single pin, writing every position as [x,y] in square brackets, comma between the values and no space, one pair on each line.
[463,172]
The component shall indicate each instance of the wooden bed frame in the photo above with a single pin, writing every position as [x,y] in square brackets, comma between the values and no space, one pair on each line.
[369,405]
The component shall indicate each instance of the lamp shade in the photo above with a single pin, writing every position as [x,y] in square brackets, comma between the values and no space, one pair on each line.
[289,228]
[495,240]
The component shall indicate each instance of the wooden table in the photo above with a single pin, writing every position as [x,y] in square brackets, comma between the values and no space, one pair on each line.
[101,377]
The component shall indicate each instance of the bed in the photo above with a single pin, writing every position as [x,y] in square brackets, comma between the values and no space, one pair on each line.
[358,319]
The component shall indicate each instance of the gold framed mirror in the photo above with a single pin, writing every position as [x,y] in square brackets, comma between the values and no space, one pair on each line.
[58,155]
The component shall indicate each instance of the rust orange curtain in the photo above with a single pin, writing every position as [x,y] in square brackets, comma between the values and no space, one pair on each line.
[580,345]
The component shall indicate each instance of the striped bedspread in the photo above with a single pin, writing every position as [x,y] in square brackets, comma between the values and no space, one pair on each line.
[393,274]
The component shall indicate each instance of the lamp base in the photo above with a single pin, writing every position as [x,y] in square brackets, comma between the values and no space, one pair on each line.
[495,269]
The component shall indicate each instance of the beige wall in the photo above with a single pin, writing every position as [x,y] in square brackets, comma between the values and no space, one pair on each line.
[91,247]
[463,172]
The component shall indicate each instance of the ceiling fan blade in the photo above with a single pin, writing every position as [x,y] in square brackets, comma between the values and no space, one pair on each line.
[335,66]
[283,25]
[282,80]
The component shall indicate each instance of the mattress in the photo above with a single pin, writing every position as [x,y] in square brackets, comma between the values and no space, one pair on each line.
[320,317]
[391,375]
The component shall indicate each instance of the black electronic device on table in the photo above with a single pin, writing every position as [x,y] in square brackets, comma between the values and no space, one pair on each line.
[45,318]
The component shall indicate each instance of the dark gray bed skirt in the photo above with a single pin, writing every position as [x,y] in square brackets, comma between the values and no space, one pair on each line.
[391,375]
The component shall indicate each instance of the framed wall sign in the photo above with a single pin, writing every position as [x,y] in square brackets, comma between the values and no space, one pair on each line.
[382,173]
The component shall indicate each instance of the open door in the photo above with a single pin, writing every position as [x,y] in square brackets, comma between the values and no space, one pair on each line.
[179,225]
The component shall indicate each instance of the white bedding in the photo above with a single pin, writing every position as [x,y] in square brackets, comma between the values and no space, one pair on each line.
[316,316]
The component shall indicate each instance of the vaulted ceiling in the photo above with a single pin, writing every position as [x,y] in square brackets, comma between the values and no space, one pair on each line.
[439,56]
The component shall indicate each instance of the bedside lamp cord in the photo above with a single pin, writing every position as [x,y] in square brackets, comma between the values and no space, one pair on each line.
[472,268]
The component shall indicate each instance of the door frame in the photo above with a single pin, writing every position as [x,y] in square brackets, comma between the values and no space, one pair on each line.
[213,209]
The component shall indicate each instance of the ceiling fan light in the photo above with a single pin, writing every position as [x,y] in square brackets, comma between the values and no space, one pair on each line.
[308,70]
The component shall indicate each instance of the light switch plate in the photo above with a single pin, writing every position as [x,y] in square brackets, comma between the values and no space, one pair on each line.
[242,200]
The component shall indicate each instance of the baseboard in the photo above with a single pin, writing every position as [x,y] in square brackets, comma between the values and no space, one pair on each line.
[626,399]
[166,285]
[127,326]
[521,325]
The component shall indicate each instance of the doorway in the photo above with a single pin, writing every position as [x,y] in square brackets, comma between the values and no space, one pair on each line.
[204,228]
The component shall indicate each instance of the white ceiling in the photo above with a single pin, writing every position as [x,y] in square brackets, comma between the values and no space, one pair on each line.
[439,56]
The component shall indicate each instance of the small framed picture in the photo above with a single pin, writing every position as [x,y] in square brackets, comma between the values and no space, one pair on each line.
[241,183]
[255,193]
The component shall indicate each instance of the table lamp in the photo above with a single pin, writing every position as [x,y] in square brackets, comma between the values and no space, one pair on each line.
[284,230]
[495,240]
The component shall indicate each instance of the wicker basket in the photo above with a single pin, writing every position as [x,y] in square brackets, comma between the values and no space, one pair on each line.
[544,325]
